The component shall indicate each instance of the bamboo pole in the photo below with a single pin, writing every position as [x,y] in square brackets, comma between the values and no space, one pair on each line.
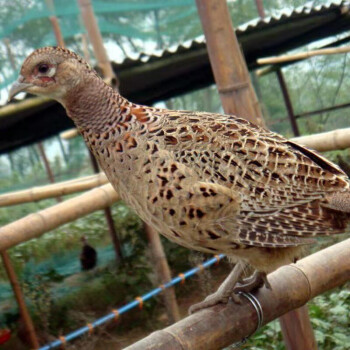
[303,55]
[27,321]
[260,7]
[25,106]
[326,141]
[57,31]
[221,325]
[49,191]
[323,110]
[54,22]
[297,331]
[288,102]
[36,224]
[10,55]
[69,134]
[227,61]
[108,216]
[85,45]
[163,273]
[96,40]
[295,324]
[95,37]
[49,171]
[216,22]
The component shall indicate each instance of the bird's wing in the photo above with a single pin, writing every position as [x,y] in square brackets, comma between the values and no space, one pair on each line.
[206,213]
[278,184]
[269,171]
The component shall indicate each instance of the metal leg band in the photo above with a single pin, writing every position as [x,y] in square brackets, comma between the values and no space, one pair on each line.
[259,311]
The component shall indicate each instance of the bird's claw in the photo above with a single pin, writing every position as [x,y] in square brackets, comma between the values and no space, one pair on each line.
[210,300]
[256,281]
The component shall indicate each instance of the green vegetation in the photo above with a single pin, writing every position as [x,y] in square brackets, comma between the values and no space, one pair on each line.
[330,318]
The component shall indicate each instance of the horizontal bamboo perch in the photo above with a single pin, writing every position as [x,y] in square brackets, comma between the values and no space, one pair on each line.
[222,325]
[49,191]
[34,225]
[326,141]
[303,55]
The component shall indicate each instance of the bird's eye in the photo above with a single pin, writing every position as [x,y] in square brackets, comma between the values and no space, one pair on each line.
[43,68]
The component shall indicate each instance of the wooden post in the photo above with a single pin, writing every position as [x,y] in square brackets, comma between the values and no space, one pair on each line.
[57,31]
[107,211]
[237,94]
[84,43]
[297,330]
[288,102]
[90,22]
[10,54]
[54,22]
[296,326]
[227,62]
[27,321]
[163,273]
[47,167]
[260,8]
[108,216]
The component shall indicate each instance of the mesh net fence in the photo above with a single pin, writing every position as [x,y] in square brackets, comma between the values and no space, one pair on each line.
[128,27]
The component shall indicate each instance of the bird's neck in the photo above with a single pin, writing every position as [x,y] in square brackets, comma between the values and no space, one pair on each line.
[93,105]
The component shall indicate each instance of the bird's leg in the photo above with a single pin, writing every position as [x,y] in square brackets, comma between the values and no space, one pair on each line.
[257,280]
[224,292]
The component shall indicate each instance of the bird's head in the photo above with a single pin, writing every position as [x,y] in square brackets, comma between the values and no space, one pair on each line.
[51,72]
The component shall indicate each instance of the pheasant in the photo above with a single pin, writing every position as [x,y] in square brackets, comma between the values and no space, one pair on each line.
[210,182]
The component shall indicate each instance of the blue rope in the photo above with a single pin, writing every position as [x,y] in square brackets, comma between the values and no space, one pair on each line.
[137,302]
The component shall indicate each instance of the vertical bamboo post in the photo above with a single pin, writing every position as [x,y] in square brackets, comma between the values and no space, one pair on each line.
[54,22]
[90,22]
[288,102]
[47,167]
[57,31]
[27,321]
[231,73]
[227,62]
[84,43]
[108,216]
[107,211]
[10,54]
[260,8]
[297,330]
[296,326]
[163,272]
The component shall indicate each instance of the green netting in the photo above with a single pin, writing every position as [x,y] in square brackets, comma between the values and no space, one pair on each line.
[128,27]
[131,26]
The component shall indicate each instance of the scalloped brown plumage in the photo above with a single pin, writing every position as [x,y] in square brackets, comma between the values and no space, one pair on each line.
[210,182]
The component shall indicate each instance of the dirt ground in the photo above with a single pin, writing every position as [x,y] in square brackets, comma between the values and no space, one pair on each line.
[200,286]
[116,336]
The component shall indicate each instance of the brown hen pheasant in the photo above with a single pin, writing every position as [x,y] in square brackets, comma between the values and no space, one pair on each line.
[210,182]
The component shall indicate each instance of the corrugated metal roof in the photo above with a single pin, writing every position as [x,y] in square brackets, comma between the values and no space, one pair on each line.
[246,29]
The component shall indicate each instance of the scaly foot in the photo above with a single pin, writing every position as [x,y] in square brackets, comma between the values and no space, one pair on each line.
[231,288]
[224,293]
[256,281]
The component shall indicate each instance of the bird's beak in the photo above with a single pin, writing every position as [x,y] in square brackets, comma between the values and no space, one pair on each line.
[18,86]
